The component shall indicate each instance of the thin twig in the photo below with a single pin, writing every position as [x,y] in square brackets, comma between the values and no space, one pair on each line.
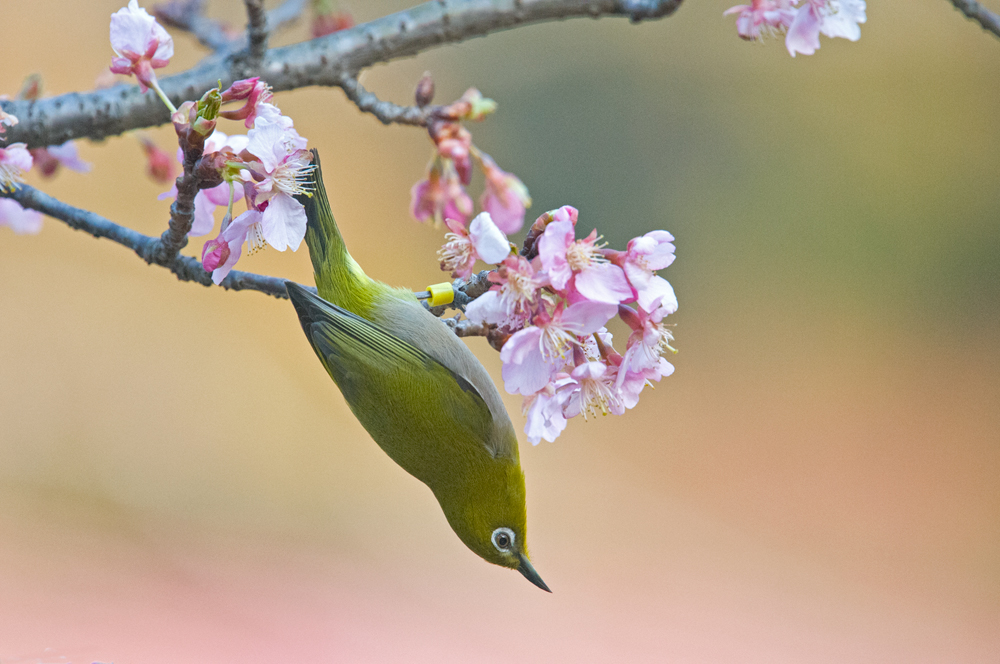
[188,15]
[284,14]
[466,328]
[987,19]
[322,61]
[150,249]
[256,29]
[385,111]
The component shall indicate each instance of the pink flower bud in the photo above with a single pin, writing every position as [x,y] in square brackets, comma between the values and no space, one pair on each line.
[424,93]
[214,254]
[327,24]
[160,166]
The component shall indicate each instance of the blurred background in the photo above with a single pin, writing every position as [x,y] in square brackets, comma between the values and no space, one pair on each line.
[819,481]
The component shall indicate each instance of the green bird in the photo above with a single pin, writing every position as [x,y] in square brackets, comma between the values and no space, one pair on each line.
[418,390]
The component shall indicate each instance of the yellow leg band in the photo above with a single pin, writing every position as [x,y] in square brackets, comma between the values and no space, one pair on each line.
[441,294]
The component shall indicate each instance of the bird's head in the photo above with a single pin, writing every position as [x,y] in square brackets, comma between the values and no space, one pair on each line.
[488,514]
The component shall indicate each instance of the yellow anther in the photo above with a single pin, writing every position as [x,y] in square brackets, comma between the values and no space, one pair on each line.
[441,294]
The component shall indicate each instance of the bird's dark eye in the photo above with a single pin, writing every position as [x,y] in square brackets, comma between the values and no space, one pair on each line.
[503,539]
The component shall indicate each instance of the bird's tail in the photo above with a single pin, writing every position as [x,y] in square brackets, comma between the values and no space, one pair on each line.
[339,279]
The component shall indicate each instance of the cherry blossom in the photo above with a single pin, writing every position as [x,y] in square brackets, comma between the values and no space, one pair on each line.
[833,18]
[15,161]
[48,160]
[159,166]
[534,354]
[280,172]
[515,294]
[6,119]
[483,240]
[544,410]
[256,93]
[505,197]
[645,255]
[220,254]
[592,391]
[20,220]
[593,276]
[762,18]
[326,23]
[441,196]
[454,143]
[649,339]
[141,44]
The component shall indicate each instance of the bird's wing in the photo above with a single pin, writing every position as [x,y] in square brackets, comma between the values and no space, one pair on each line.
[372,365]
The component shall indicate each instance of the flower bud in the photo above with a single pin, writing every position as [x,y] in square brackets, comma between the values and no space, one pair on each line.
[424,93]
[214,253]
[240,89]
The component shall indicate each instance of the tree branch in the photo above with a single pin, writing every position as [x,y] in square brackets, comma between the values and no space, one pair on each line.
[150,249]
[256,30]
[187,15]
[324,61]
[385,111]
[984,17]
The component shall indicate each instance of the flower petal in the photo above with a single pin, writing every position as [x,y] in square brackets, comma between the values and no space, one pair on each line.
[488,240]
[604,282]
[284,222]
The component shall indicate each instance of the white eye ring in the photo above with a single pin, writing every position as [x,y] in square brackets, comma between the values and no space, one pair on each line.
[503,539]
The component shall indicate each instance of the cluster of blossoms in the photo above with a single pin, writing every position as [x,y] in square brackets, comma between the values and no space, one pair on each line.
[267,167]
[802,21]
[17,159]
[441,195]
[549,310]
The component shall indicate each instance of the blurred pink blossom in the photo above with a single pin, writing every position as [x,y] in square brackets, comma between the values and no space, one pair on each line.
[15,161]
[19,219]
[504,196]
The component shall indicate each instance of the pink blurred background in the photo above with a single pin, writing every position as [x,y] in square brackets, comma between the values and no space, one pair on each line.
[818,482]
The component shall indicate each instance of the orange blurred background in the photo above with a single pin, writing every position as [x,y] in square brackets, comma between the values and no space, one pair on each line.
[818,482]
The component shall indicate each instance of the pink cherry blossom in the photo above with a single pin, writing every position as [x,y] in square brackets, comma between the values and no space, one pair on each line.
[441,196]
[544,410]
[504,196]
[658,293]
[762,18]
[454,143]
[159,166]
[833,18]
[533,355]
[280,172]
[141,43]
[593,391]
[6,119]
[15,161]
[593,277]
[629,384]
[327,23]
[256,93]
[483,241]
[510,303]
[19,219]
[650,337]
[48,160]
[222,253]
[647,254]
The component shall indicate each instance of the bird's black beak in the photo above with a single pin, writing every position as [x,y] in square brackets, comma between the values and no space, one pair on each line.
[529,572]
